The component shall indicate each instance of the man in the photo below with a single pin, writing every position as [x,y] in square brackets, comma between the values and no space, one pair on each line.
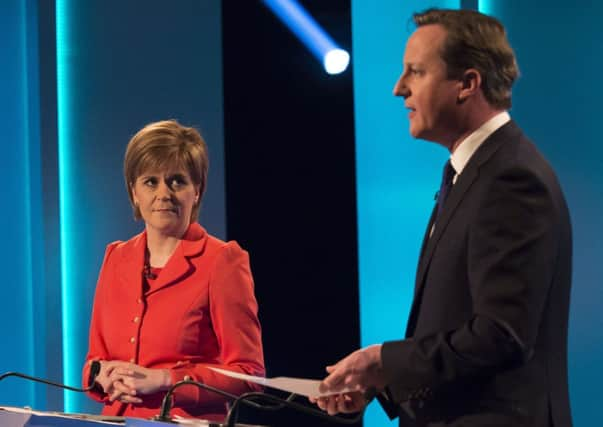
[486,339]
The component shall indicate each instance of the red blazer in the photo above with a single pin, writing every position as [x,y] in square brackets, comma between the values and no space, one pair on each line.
[200,311]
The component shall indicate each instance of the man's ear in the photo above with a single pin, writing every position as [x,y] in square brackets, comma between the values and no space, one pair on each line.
[470,82]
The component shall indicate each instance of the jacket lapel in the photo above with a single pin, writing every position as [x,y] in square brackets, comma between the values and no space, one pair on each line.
[457,192]
[464,181]
[427,235]
[179,266]
[130,273]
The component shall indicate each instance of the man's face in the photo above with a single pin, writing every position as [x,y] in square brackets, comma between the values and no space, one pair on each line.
[429,95]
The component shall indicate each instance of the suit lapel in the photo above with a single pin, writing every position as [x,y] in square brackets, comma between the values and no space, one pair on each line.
[469,175]
[179,266]
[427,234]
[457,192]
[130,272]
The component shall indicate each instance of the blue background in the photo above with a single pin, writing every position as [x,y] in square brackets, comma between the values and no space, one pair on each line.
[111,54]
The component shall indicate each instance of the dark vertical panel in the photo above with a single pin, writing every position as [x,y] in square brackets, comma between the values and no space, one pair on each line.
[289,143]
[49,213]
[16,323]
[37,309]
[470,4]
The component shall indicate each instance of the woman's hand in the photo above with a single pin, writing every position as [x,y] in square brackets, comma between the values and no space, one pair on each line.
[103,378]
[124,382]
[135,380]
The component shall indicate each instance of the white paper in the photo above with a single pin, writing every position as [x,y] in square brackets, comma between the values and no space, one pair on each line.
[300,386]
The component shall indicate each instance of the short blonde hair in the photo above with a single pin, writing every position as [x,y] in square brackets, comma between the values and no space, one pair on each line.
[164,145]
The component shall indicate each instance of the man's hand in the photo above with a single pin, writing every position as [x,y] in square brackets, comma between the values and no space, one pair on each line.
[361,370]
[344,403]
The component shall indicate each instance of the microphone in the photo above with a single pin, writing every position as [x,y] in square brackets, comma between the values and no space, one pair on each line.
[148,273]
[94,371]
[252,399]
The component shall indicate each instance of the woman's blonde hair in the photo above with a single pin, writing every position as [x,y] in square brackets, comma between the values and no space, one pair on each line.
[167,145]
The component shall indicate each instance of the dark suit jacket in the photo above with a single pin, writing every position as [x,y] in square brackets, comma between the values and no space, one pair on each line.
[487,333]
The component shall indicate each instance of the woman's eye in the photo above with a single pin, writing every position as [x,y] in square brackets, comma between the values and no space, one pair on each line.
[150,182]
[177,182]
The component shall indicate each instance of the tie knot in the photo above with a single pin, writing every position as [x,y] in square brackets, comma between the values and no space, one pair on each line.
[448,174]
[445,186]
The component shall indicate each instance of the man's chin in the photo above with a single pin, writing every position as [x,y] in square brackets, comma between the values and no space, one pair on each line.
[419,132]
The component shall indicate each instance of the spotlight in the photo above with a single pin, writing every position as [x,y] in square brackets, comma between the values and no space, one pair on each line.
[334,59]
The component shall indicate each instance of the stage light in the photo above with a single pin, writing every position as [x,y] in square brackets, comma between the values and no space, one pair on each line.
[334,59]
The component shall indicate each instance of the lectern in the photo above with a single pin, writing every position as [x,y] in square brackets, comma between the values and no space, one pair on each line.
[18,417]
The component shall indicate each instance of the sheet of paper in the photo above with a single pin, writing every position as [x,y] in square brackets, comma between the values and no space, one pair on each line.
[301,386]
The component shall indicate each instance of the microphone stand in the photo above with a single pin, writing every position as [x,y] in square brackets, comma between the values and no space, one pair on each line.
[94,370]
[166,403]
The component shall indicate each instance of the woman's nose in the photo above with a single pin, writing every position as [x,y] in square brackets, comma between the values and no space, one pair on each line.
[164,191]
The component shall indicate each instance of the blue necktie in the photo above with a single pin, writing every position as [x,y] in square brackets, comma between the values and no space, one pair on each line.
[445,187]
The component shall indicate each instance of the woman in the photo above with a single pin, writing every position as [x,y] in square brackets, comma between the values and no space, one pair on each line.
[173,300]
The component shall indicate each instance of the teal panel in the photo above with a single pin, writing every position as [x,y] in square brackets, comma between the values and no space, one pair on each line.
[20,256]
[397,176]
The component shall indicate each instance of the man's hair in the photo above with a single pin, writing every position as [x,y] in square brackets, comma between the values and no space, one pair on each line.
[163,145]
[478,41]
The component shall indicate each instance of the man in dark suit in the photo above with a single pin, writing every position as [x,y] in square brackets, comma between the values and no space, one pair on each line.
[486,340]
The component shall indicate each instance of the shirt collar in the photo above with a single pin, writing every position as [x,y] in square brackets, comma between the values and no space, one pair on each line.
[469,145]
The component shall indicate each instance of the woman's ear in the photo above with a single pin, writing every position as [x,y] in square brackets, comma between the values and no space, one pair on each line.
[133,191]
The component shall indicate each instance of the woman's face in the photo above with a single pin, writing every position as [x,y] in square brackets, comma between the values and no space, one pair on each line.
[165,199]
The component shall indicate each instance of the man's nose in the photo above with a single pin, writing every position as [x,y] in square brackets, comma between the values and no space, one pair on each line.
[400,88]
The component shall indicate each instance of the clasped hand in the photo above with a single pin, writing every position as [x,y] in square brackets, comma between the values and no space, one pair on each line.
[126,382]
[360,371]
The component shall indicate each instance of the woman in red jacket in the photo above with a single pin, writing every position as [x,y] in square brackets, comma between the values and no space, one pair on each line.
[173,300]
